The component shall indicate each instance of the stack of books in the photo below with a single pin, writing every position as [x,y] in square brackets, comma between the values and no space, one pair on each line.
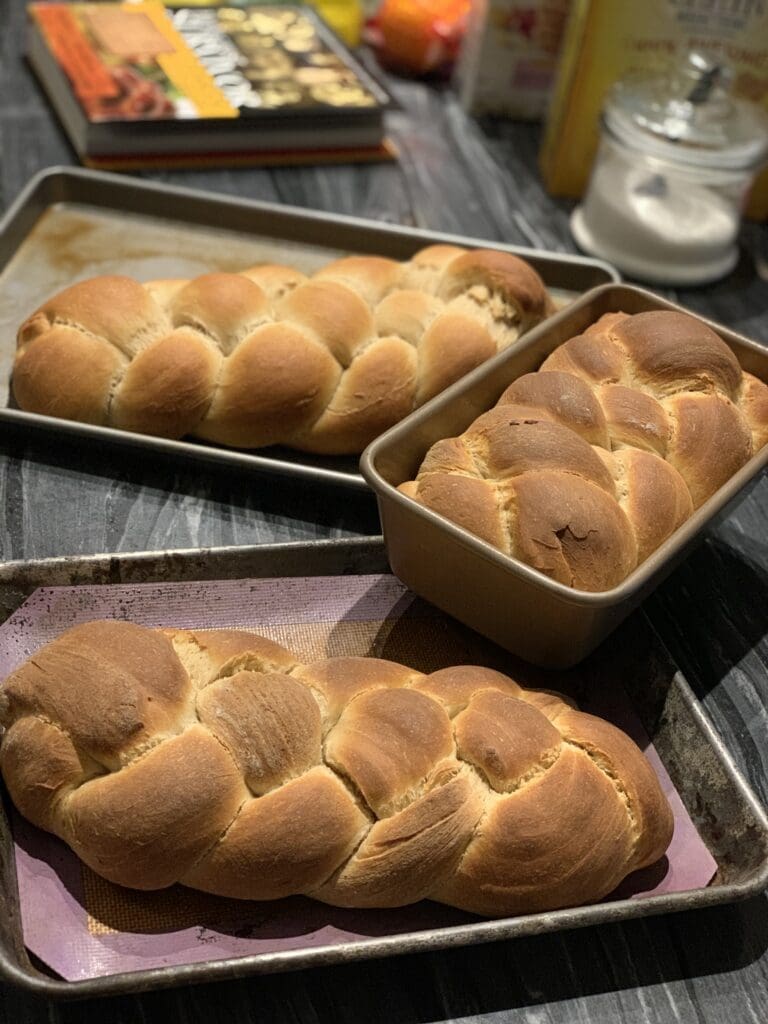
[146,84]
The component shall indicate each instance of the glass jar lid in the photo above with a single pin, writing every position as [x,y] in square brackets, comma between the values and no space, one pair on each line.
[688,114]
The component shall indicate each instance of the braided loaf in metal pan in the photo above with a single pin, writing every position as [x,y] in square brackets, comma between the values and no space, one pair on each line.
[215,759]
[321,364]
[586,466]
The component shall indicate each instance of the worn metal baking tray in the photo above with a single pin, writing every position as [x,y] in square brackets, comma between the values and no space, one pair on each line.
[70,223]
[519,607]
[726,813]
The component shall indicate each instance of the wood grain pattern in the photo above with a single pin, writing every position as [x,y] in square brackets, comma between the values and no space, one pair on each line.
[453,175]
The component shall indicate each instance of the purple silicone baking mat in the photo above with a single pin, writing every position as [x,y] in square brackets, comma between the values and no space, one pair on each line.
[84,927]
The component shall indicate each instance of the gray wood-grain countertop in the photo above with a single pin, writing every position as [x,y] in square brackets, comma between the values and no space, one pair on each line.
[453,175]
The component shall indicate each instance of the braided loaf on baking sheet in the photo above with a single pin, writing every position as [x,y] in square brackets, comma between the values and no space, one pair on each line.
[269,356]
[585,467]
[216,760]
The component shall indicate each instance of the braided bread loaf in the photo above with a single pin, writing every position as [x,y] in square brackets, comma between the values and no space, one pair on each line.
[269,356]
[585,467]
[214,759]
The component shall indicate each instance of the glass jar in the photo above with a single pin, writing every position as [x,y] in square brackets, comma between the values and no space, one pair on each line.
[677,156]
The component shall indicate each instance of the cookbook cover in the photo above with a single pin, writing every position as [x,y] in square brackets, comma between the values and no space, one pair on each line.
[148,61]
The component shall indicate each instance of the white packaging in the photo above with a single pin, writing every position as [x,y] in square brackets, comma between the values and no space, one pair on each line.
[509,56]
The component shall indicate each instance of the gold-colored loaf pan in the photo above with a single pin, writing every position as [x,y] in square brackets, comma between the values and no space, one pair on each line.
[544,621]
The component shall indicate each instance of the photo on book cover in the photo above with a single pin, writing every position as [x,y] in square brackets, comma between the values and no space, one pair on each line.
[147,77]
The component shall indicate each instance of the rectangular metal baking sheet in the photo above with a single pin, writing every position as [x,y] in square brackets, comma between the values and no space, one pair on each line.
[70,224]
[726,813]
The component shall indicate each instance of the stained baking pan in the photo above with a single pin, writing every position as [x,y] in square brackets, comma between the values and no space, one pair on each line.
[71,224]
[726,814]
[519,607]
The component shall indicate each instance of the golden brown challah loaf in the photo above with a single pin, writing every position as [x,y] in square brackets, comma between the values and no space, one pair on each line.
[270,356]
[585,467]
[216,760]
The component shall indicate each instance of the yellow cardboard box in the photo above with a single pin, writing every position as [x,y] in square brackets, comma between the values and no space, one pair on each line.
[605,39]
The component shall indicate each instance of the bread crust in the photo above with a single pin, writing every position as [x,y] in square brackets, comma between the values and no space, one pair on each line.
[270,356]
[217,760]
[585,467]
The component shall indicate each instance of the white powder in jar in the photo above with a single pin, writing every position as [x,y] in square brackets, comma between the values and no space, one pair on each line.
[656,226]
